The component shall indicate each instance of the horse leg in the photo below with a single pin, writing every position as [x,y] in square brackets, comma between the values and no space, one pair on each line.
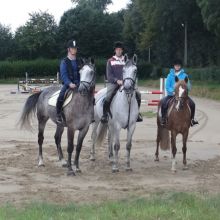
[70,136]
[184,149]
[110,149]
[174,150]
[41,126]
[94,135]
[57,137]
[81,136]
[158,143]
[116,150]
[130,133]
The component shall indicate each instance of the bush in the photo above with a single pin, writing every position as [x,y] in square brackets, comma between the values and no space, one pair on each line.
[35,68]
[204,74]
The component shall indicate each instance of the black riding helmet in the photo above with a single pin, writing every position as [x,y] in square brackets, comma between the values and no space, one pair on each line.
[177,62]
[118,44]
[71,44]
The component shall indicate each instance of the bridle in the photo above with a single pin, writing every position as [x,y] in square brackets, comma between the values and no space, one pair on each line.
[88,85]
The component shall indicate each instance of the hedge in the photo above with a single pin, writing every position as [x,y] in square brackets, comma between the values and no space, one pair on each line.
[49,68]
[45,68]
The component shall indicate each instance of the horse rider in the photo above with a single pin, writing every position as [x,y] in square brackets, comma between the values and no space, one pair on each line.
[178,71]
[69,72]
[115,79]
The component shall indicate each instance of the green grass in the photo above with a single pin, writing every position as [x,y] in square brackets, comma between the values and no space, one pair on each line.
[209,90]
[149,114]
[175,206]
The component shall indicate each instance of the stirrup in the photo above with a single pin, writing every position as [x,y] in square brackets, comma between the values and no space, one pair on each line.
[140,118]
[59,119]
[193,122]
[163,122]
[104,119]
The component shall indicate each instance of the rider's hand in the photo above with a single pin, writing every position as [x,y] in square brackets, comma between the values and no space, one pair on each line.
[72,86]
[119,82]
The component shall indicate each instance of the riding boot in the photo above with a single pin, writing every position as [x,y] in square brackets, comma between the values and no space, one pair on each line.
[192,107]
[163,115]
[93,118]
[59,106]
[104,118]
[138,98]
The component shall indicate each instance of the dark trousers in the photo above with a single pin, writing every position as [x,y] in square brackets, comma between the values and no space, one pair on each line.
[60,99]
[165,103]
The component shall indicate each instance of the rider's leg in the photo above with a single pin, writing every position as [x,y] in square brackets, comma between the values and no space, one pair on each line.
[111,90]
[164,107]
[59,104]
[192,107]
[138,98]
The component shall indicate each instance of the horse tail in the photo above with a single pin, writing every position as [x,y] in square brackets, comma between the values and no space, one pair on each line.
[101,133]
[164,137]
[28,110]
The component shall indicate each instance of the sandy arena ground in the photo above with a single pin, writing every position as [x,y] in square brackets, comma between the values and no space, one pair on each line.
[22,181]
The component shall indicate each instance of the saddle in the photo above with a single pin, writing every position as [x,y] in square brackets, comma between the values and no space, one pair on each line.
[52,101]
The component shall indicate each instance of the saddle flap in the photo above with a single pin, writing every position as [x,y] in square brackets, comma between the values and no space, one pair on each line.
[52,101]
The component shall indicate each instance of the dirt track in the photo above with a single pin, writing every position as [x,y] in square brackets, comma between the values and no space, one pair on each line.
[22,181]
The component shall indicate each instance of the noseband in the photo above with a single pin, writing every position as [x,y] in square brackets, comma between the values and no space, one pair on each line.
[88,85]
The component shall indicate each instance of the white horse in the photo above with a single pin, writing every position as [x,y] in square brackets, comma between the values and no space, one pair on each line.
[123,114]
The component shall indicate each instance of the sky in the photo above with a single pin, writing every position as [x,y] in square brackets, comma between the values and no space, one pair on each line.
[14,13]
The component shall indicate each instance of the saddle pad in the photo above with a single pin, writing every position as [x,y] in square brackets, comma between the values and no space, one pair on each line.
[101,94]
[53,99]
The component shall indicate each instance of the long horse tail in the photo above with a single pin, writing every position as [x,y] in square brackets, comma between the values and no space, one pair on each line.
[164,138]
[101,133]
[28,110]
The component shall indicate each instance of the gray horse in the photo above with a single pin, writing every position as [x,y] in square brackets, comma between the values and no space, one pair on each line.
[78,115]
[124,113]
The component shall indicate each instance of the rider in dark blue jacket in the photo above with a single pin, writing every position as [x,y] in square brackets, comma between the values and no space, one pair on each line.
[69,72]
[170,84]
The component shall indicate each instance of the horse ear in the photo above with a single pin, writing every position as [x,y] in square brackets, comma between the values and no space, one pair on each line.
[135,59]
[176,79]
[186,79]
[92,60]
[83,60]
[126,58]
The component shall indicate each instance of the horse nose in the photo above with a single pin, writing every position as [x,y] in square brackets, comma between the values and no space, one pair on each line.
[127,85]
[81,89]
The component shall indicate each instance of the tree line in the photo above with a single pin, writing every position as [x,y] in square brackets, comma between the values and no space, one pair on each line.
[154,29]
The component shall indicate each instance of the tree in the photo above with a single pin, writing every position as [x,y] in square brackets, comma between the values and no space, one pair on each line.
[211,15]
[95,4]
[37,38]
[6,42]
[160,26]
[93,30]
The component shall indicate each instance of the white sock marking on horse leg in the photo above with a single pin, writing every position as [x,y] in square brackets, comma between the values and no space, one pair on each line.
[40,162]
[173,164]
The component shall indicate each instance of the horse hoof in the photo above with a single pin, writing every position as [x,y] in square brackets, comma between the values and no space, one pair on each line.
[156,159]
[41,164]
[64,163]
[128,169]
[78,170]
[115,170]
[70,173]
[185,168]
[173,171]
[92,158]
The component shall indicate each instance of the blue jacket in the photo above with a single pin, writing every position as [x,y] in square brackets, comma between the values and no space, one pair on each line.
[71,75]
[170,82]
